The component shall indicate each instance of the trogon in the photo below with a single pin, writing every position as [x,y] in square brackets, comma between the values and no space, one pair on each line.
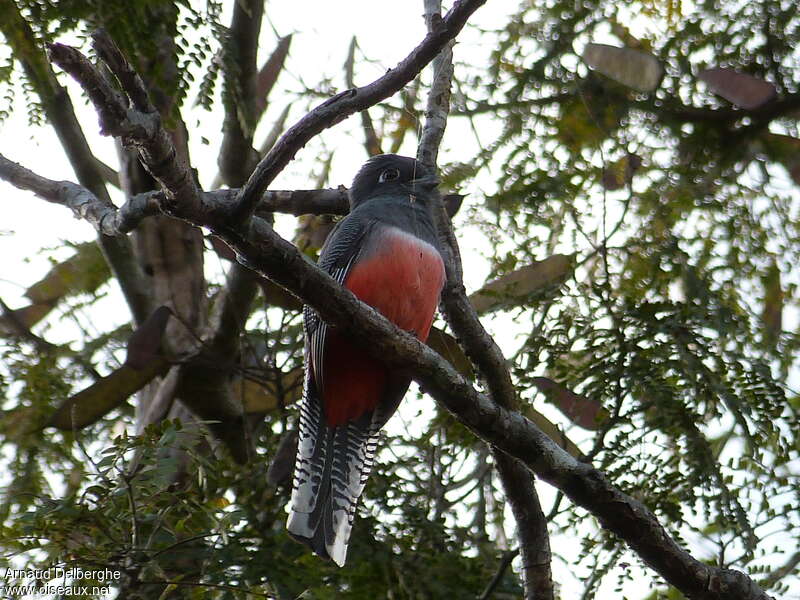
[385,252]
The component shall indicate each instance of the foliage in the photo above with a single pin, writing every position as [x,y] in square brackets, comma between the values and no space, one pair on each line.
[673,321]
[682,215]
[140,28]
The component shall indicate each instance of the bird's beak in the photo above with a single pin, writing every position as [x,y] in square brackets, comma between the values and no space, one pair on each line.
[427,183]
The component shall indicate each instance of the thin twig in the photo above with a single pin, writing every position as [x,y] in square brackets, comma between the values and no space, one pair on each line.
[505,562]
[90,173]
[782,571]
[104,216]
[371,142]
[237,157]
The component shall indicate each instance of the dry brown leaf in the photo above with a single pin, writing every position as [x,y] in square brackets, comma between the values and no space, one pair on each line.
[103,396]
[447,347]
[619,173]
[632,68]
[784,149]
[144,344]
[582,411]
[221,248]
[515,288]
[742,89]
[83,272]
[553,432]
[27,316]
[260,398]
[282,465]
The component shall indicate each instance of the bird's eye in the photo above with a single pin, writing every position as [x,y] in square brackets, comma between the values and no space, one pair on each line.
[388,175]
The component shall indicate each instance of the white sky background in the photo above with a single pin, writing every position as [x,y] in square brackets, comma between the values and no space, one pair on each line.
[386,32]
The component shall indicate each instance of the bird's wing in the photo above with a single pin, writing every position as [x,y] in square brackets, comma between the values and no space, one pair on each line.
[338,255]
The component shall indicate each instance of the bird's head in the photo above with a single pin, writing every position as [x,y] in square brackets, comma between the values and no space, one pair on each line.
[391,174]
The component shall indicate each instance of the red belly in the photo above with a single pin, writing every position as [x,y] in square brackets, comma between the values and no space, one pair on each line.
[401,280]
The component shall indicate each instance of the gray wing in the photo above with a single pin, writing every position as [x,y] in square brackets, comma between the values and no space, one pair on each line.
[338,255]
[332,463]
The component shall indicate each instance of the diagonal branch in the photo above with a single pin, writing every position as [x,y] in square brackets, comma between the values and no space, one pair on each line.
[140,125]
[505,562]
[103,216]
[782,571]
[339,107]
[269,254]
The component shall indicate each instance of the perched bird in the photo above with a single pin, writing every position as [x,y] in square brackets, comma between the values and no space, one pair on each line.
[385,252]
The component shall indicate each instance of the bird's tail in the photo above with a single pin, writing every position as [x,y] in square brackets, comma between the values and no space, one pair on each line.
[333,464]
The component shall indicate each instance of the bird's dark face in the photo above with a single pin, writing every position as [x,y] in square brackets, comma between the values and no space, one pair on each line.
[392,174]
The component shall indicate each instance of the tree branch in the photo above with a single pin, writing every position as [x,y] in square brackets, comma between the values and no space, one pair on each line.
[139,125]
[17,328]
[339,107]
[534,539]
[371,142]
[722,116]
[112,221]
[265,251]
[103,216]
[438,106]
[480,346]
[237,155]
[782,571]
[505,562]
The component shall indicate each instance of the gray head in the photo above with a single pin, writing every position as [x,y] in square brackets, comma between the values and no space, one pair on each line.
[391,174]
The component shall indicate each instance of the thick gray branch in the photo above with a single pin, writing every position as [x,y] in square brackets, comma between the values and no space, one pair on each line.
[138,125]
[534,539]
[506,429]
[438,106]
[60,113]
[112,221]
[102,215]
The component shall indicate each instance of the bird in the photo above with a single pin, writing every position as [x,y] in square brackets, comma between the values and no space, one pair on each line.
[386,252]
